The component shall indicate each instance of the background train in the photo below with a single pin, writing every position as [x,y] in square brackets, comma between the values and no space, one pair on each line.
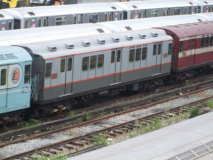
[31,17]
[57,73]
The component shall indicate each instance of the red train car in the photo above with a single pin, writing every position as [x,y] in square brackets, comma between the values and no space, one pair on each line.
[192,45]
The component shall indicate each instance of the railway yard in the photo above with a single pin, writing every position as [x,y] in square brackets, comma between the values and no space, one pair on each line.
[96,81]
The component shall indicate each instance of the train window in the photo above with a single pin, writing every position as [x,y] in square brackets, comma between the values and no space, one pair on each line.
[80,18]
[60,20]
[143,14]
[207,41]
[93,18]
[181,46]
[100,60]
[138,54]
[106,17]
[69,68]
[211,41]
[113,57]
[203,42]
[44,22]
[170,49]
[133,15]
[189,10]
[118,55]
[121,16]
[3,77]
[10,26]
[110,16]
[154,13]
[159,49]
[154,49]
[62,65]
[93,61]
[165,12]
[144,53]
[48,70]
[177,11]
[39,22]
[27,74]
[131,55]
[85,63]
[27,23]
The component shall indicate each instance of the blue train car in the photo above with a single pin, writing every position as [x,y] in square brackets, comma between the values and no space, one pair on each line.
[15,79]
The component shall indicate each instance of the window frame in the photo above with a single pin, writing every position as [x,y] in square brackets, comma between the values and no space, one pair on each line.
[132,55]
[27,74]
[97,20]
[85,66]
[49,73]
[5,77]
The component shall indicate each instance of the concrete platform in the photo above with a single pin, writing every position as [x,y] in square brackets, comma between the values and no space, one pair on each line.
[191,139]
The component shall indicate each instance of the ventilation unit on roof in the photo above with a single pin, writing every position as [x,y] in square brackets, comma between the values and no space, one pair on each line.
[52,48]
[199,20]
[115,39]
[100,30]
[191,3]
[205,2]
[86,44]
[128,28]
[129,38]
[101,41]
[142,36]
[1,16]
[134,6]
[114,8]
[31,13]
[70,46]
[154,34]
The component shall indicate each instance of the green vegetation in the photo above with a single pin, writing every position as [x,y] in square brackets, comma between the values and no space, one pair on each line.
[30,122]
[71,113]
[50,158]
[71,134]
[209,104]
[100,139]
[194,112]
[89,116]
[79,120]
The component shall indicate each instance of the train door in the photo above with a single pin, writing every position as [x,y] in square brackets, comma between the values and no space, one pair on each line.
[3,86]
[157,53]
[69,75]
[42,22]
[14,78]
[192,50]
[116,65]
[92,66]
[62,77]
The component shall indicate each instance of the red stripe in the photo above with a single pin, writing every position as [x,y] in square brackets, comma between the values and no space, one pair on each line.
[105,75]
[105,50]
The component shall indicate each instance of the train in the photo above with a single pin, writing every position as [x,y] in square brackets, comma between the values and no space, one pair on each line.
[52,74]
[32,17]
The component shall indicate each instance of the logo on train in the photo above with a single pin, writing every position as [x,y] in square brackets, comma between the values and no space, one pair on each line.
[16,75]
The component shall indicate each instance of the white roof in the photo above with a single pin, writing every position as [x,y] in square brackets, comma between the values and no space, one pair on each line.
[41,48]
[163,144]
[5,15]
[156,4]
[64,9]
[155,22]
[22,36]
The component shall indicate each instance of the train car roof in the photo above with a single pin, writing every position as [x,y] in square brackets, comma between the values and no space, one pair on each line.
[63,9]
[80,44]
[139,5]
[15,37]
[12,54]
[5,16]
[193,29]
[136,24]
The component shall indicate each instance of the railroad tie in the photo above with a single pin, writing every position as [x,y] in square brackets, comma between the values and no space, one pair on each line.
[69,146]
[77,144]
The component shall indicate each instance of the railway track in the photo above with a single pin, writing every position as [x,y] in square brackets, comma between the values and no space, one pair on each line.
[37,131]
[87,142]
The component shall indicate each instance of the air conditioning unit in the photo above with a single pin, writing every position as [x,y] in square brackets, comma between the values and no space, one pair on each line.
[52,48]
[101,41]
[115,39]
[154,34]
[142,36]
[86,43]
[129,38]
[70,46]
